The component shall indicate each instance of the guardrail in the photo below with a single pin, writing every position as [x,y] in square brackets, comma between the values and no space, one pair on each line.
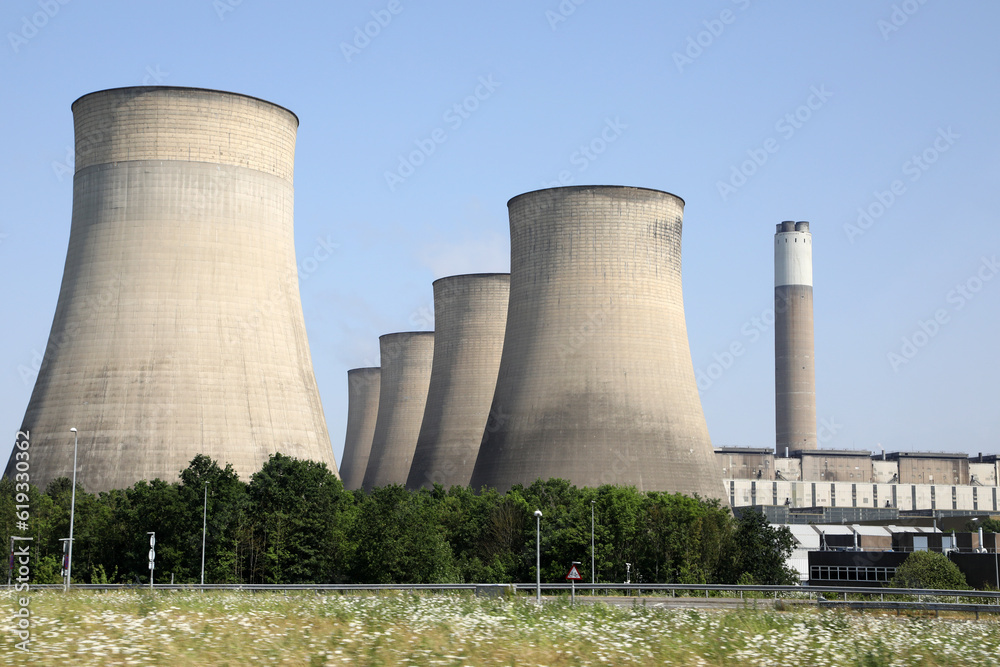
[936,607]
[673,589]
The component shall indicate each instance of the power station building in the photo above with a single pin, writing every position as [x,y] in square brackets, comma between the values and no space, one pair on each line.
[470,314]
[406,362]
[596,383]
[362,412]
[178,329]
[857,485]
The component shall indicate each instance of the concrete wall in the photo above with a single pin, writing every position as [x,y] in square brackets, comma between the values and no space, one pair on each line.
[845,494]
[984,473]
[406,360]
[790,468]
[885,471]
[933,470]
[178,330]
[470,315]
[750,464]
[826,467]
[596,383]
[362,413]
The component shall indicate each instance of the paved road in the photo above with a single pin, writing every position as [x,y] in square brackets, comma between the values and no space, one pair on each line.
[680,602]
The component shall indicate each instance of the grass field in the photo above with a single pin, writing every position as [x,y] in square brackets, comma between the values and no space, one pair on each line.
[187,628]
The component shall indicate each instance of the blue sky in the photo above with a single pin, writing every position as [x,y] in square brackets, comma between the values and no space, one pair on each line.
[876,121]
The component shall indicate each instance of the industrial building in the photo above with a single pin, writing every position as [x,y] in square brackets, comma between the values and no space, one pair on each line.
[178,329]
[596,383]
[470,314]
[870,484]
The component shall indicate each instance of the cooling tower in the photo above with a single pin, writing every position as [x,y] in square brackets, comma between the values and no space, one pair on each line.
[794,367]
[596,383]
[362,410]
[406,376]
[470,314]
[178,330]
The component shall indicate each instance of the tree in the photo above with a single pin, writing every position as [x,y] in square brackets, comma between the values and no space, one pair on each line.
[302,516]
[228,522]
[757,552]
[400,539]
[929,569]
[989,525]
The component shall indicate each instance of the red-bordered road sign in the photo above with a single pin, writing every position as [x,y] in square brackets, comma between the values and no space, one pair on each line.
[574,574]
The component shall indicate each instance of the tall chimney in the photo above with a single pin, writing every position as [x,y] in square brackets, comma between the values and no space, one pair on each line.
[794,369]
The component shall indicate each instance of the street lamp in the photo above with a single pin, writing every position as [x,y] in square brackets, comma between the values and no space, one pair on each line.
[72,511]
[593,575]
[538,556]
[204,528]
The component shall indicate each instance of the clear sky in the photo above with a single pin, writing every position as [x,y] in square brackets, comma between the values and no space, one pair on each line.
[874,120]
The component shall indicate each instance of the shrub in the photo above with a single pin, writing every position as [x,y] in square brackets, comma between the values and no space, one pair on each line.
[929,569]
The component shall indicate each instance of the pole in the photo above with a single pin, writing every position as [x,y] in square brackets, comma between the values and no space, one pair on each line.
[152,555]
[538,556]
[593,572]
[72,511]
[204,528]
[572,586]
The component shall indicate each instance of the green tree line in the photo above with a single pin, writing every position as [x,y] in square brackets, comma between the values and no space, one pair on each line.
[294,522]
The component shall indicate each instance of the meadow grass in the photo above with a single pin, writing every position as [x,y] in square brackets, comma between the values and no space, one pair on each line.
[399,628]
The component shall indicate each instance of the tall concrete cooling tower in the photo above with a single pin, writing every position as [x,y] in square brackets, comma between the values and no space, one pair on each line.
[794,365]
[178,329]
[596,383]
[362,411]
[470,314]
[406,375]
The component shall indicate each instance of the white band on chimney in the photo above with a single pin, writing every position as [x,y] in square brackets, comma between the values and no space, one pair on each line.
[793,259]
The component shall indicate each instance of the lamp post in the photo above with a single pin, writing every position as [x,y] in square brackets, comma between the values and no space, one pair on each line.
[204,529]
[593,572]
[72,511]
[538,556]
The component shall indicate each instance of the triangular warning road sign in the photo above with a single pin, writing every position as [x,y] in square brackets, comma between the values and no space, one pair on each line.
[574,574]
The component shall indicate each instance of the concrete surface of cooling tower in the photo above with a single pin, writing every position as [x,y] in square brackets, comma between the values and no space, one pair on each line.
[362,411]
[470,314]
[178,329]
[406,360]
[596,383]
